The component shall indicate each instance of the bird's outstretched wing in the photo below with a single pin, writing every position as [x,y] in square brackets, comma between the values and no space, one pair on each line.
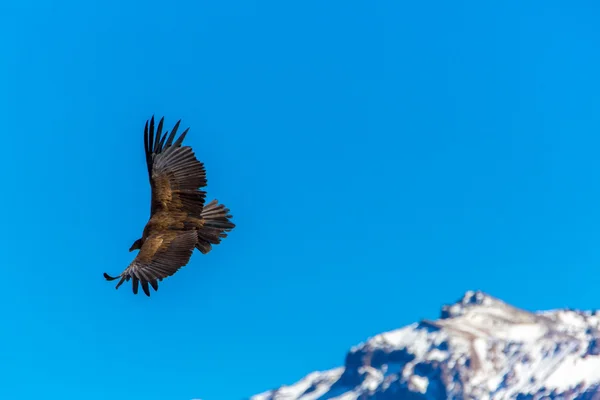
[161,255]
[175,174]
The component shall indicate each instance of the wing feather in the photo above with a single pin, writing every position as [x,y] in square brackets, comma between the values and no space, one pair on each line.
[158,133]
[161,256]
[175,174]
[173,133]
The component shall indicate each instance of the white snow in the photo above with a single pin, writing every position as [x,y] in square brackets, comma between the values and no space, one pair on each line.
[321,381]
[574,370]
[418,384]
[499,351]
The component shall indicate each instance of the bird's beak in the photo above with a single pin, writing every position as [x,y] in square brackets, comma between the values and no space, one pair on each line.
[136,245]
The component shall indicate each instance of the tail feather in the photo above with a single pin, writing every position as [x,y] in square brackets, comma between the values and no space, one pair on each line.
[216,223]
[217,216]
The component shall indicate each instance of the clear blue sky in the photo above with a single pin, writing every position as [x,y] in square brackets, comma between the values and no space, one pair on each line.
[379,160]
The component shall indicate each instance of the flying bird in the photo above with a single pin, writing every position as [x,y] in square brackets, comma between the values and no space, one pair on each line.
[180,221]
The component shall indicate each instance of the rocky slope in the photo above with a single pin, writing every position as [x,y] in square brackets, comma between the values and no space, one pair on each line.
[480,348]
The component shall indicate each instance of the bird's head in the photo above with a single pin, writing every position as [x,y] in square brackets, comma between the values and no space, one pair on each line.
[136,245]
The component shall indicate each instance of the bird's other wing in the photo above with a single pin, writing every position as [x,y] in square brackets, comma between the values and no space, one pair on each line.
[161,255]
[175,173]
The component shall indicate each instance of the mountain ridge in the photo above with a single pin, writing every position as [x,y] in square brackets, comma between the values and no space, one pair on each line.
[479,348]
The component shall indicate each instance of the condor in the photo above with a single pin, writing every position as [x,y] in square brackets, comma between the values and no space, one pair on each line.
[180,221]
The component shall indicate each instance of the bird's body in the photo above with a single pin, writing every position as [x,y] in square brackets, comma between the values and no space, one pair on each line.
[179,219]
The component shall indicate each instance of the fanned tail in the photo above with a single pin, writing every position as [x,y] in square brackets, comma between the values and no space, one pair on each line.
[217,221]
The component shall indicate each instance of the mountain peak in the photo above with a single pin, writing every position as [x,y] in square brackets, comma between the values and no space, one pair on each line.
[479,348]
[469,300]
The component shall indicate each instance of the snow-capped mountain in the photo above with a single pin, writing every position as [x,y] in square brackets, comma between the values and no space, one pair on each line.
[480,348]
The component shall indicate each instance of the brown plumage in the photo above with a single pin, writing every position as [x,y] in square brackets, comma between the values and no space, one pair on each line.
[179,219]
